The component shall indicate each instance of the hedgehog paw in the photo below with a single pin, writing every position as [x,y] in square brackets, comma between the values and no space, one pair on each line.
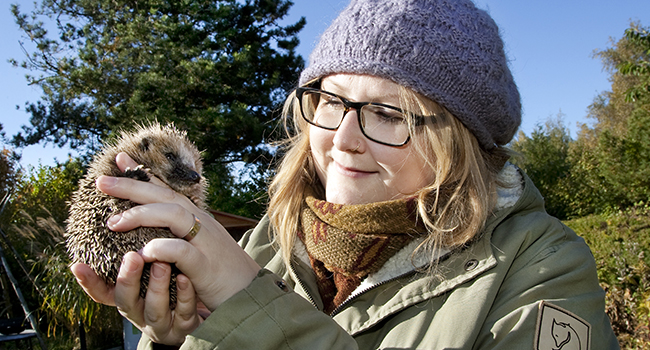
[139,173]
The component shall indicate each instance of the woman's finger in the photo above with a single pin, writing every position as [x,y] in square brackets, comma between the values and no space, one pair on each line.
[175,251]
[187,258]
[173,216]
[186,317]
[93,285]
[124,161]
[139,191]
[157,314]
[127,288]
[167,326]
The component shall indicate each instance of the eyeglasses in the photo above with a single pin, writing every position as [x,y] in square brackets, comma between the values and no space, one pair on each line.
[384,124]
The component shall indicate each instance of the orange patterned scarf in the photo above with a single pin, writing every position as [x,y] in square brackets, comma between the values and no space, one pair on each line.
[347,242]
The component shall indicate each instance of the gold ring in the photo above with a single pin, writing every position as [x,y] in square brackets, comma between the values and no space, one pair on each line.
[193,230]
[358,145]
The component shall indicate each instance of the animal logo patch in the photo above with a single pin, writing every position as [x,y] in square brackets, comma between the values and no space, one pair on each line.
[559,329]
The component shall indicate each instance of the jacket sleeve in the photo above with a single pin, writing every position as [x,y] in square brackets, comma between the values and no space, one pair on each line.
[551,266]
[266,315]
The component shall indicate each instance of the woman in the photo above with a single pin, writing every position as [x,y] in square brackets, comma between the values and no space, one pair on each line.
[394,220]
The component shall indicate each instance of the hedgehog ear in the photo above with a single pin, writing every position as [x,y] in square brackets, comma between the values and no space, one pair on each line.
[144,144]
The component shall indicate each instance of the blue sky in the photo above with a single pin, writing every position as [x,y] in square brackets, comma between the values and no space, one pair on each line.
[550,44]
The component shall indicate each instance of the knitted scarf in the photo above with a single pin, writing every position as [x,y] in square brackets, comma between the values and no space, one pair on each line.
[345,243]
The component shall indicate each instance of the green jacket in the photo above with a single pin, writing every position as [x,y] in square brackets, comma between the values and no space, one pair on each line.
[529,282]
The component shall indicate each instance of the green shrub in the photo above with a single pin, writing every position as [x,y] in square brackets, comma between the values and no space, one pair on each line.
[620,242]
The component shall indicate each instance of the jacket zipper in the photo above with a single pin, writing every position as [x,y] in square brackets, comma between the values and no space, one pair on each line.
[352,297]
[302,285]
[407,274]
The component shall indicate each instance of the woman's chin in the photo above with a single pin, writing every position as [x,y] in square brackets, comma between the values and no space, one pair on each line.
[352,197]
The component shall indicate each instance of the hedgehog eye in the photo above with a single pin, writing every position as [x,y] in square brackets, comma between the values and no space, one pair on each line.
[170,156]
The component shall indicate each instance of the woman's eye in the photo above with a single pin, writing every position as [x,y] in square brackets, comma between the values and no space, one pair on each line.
[391,117]
[331,103]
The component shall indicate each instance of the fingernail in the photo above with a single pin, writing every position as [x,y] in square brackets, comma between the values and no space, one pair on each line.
[181,283]
[106,181]
[130,265]
[158,270]
[114,220]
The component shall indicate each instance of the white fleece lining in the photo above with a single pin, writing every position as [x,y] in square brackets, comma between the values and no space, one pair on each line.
[514,186]
[400,263]
[403,262]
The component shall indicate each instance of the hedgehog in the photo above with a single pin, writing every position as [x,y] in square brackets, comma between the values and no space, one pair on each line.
[161,151]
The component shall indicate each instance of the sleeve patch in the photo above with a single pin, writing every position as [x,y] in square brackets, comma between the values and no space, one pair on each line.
[559,329]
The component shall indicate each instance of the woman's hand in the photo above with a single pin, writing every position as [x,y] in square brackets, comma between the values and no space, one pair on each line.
[152,314]
[159,323]
[214,267]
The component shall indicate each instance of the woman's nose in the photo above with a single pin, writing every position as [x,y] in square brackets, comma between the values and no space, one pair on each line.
[349,136]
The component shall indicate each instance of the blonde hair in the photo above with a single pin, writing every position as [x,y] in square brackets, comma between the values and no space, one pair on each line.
[454,207]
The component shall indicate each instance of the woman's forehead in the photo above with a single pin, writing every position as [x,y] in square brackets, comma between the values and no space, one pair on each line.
[359,87]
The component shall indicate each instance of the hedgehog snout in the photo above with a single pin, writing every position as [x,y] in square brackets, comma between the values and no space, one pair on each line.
[184,174]
[193,176]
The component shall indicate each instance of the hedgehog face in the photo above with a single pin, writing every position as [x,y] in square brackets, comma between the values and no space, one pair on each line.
[174,160]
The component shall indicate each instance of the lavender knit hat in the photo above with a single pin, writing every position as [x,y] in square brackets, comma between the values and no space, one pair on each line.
[447,50]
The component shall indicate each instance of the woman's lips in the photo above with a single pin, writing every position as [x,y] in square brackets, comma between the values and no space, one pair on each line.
[352,172]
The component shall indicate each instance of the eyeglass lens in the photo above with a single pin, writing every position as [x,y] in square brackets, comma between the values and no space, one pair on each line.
[378,123]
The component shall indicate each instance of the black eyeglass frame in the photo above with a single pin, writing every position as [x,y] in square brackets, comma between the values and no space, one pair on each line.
[418,119]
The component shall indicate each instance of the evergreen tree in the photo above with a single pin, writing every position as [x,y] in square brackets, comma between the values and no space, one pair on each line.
[218,69]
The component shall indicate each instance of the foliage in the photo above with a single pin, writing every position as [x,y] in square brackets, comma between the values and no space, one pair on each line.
[63,301]
[638,65]
[218,69]
[544,157]
[620,141]
[8,171]
[611,109]
[34,223]
[46,187]
[245,196]
[585,192]
[9,175]
[620,242]
[607,167]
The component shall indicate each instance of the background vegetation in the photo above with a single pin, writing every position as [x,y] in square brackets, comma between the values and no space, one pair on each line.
[599,182]
[220,70]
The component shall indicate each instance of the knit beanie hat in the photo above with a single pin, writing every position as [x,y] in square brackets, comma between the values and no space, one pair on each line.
[446,50]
